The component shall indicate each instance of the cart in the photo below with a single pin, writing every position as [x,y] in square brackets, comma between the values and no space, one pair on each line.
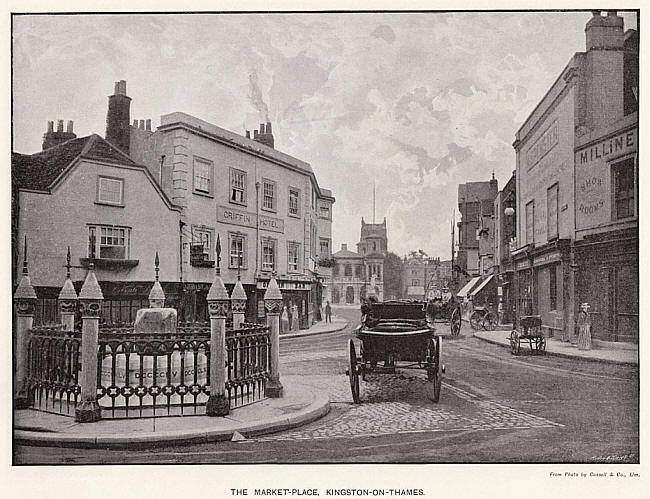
[440,312]
[529,331]
[398,335]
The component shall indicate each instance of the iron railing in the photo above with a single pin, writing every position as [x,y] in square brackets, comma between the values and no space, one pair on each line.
[53,365]
[249,359]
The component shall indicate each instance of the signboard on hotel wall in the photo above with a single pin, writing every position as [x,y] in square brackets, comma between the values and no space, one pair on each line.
[228,215]
[593,164]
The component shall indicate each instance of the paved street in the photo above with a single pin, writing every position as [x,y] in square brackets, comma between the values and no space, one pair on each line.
[493,408]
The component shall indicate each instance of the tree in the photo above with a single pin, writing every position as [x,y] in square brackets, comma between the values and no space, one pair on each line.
[393,271]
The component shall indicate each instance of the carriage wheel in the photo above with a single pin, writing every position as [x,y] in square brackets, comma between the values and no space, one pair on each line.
[515,345]
[433,370]
[455,321]
[475,320]
[489,322]
[353,373]
[363,362]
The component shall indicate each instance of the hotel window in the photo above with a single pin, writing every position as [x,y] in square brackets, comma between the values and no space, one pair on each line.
[108,242]
[237,186]
[294,201]
[324,248]
[237,253]
[110,190]
[268,255]
[552,212]
[530,222]
[202,176]
[324,211]
[268,195]
[623,181]
[348,270]
[293,250]
[202,236]
[553,286]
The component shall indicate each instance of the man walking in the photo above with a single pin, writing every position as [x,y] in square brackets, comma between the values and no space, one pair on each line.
[328,312]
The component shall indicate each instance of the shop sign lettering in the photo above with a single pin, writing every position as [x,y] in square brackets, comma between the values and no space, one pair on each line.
[231,216]
[544,144]
[621,143]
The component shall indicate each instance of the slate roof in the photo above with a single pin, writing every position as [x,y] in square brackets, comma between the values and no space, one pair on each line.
[470,191]
[346,254]
[38,171]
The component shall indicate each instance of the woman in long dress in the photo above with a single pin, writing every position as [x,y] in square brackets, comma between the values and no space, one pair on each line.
[584,328]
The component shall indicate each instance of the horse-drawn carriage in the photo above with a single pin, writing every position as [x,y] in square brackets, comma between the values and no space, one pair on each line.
[397,333]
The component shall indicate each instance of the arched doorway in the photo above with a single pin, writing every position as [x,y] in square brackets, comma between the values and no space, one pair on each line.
[349,295]
[362,292]
[335,295]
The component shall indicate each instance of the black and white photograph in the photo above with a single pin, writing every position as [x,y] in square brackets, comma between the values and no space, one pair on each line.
[326,237]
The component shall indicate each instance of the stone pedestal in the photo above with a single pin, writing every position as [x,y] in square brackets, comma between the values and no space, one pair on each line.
[273,306]
[25,299]
[218,305]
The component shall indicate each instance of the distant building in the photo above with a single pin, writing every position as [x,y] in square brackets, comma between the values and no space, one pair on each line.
[355,272]
[505,239]
[475,201]
[424,275]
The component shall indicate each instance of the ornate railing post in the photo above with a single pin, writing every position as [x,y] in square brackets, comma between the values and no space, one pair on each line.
[68,299]
[273,306]
[91,297]
[25,299]
[156,295]
[238,300]
[218,303]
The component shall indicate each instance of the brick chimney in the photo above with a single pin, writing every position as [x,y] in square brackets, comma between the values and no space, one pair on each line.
[604,32]
[118,117]
[265,135]
[52,138]
[344,247]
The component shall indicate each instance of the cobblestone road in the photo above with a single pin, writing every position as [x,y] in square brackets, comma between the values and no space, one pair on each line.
[396,403]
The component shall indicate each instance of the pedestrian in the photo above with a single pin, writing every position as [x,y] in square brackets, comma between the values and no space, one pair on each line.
[294,317]
[328,312]
[284,320]
[584,327]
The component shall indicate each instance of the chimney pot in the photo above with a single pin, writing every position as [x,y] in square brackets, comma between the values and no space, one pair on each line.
[141,124]
[261,128]
[248,134]
[121,87]
[70,125]
[255,134]
[344,247]
[117,88]
[612,13]
[595,13]
[50,127]
[268,127]
[59,126]
[135,123]
[148,125]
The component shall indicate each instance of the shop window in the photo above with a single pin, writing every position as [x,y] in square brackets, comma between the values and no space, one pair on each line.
[268,195]
[293,252]
[237,186]
[294,201]
[268,255]
[203,171]
[237,254]
[201,248]
[110,191]
[530,222]
[553,286]
[623,173]
[324,211]
[108,242]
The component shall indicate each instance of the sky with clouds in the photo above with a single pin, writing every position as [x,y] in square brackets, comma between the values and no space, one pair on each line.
[417,102]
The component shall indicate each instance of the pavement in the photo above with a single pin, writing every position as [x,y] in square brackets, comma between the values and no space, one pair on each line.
[602,351]
[300,404]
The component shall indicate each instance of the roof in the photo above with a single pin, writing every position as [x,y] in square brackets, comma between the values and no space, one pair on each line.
[375,254]
[470,191]
[344,253]
[38,171]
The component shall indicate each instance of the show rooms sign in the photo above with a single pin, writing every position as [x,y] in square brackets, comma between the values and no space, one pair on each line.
[231,216]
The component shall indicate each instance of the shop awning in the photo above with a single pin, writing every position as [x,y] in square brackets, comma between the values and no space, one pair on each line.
[466,289]
[482,285]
